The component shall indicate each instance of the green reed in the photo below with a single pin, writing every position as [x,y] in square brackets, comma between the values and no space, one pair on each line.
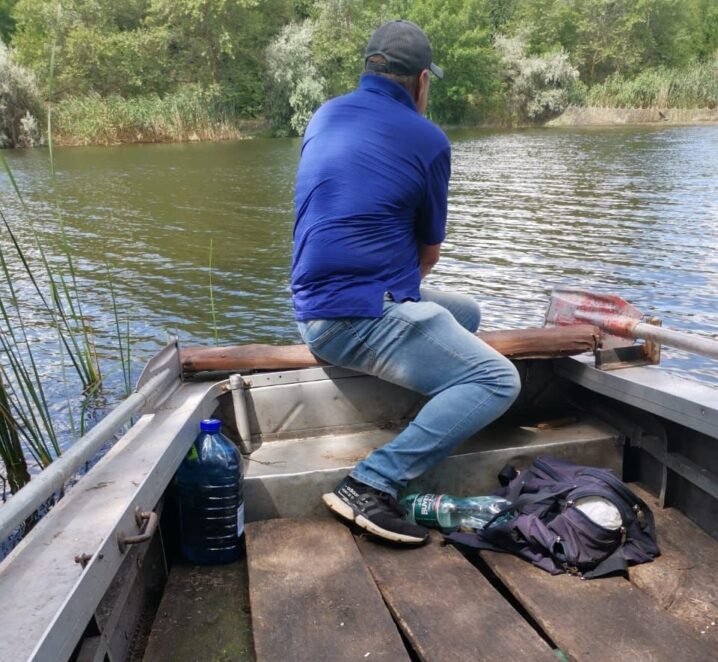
[10,447]
[190,113]
[695,86]
[123,337]
[211,299]
[26,421]
[87,357]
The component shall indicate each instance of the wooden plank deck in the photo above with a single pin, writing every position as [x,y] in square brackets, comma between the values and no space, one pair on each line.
[318,593]
[684,581]
[447,609]
[312,597]
[203,616]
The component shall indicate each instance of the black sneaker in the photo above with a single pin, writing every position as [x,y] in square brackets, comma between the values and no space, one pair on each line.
[375,511]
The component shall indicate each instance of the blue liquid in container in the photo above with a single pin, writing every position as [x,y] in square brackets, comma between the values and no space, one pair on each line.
[211,502]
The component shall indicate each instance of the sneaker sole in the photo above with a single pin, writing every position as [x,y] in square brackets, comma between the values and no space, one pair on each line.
[336,505]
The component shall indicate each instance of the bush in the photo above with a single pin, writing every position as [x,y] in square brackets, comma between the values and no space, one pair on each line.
[539,87]
[294,87]
[20,106]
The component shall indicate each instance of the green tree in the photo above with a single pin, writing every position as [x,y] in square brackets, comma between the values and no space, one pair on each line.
[343,28]
[221,42]
[704,29]
[101,46]
[608,36]
[295,89]
[20,107]
[461,40]
[7,21]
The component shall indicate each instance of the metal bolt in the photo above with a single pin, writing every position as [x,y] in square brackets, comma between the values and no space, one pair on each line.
[83,559]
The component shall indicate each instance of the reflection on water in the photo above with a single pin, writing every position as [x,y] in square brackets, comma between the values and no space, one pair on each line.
[633,211]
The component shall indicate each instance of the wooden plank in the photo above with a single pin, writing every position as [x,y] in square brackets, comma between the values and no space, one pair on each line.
[601,619]
[545,342]
[684,579]
[312,597]
[447,609]
[203,616]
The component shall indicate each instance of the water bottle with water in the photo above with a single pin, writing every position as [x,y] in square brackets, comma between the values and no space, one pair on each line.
[209,483]
[444,511]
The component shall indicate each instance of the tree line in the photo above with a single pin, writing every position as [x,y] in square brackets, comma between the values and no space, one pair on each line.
[506,60]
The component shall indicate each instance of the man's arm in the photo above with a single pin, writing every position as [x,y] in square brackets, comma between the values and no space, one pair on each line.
[428,257]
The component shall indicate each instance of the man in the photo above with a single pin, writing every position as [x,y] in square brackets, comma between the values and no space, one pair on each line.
[371,200]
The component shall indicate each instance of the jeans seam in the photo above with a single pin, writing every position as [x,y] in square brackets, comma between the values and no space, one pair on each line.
[361,340]
[325,337]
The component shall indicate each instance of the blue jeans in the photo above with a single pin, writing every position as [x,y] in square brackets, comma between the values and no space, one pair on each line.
[427,346]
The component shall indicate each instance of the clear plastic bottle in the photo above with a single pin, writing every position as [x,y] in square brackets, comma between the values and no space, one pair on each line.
[211,502]
[445,511]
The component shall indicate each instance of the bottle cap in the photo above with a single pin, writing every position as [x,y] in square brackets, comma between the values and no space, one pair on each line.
[210,425]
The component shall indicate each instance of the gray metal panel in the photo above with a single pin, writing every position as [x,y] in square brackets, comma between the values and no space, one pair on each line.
[303,404]
[287,478]
[52,597]
[653,389]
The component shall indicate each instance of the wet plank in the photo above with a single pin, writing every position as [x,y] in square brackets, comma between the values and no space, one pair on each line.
[203,616]
[447,609]
[684,579]
[310,590]
[602,619]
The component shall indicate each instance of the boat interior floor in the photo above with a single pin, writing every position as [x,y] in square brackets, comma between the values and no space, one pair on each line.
[314,589]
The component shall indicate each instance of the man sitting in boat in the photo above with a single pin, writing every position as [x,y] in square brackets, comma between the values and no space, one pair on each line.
[371,202]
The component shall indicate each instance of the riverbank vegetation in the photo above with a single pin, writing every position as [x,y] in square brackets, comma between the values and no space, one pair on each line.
[144,70]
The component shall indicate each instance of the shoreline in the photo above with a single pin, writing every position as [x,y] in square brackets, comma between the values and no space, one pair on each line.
[575,116]
[572,117]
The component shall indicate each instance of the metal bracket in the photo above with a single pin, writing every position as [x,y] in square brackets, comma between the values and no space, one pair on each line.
[150,521]
[239,388]
[646,353]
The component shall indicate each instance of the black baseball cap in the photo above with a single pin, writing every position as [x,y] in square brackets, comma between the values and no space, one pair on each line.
[405,48]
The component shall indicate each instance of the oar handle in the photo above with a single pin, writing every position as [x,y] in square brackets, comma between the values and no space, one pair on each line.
[677,339]
[627,327]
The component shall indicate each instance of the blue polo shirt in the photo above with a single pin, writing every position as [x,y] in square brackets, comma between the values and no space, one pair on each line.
[372,182]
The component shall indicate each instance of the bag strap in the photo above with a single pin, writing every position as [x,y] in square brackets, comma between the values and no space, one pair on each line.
[529,499]
[610,565]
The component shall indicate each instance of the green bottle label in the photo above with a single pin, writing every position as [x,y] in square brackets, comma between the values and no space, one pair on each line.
[193,454]
[426,509]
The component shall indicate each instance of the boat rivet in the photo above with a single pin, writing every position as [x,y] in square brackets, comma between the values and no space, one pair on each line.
[83,559]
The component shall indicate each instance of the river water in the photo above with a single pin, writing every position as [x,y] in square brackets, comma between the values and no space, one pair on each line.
[627,210]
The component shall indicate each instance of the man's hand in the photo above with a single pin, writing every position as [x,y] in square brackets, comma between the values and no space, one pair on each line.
[428,257]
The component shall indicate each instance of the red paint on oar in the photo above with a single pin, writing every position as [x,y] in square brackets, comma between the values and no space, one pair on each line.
[616,317]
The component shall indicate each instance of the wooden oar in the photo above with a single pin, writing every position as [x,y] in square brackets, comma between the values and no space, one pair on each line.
[619,320]
[516,344]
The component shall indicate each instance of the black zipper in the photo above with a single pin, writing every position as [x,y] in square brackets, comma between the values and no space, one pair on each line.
[617,483]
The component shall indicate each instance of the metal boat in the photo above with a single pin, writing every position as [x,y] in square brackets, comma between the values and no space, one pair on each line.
[86,581]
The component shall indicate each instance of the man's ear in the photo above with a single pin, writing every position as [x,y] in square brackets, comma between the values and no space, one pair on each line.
[422,91]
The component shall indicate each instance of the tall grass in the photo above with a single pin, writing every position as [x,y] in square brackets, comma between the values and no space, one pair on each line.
[213,310]
[190,113]
[26,421]
[691,87]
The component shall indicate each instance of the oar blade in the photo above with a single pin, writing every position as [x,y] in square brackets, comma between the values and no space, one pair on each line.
[570,305]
